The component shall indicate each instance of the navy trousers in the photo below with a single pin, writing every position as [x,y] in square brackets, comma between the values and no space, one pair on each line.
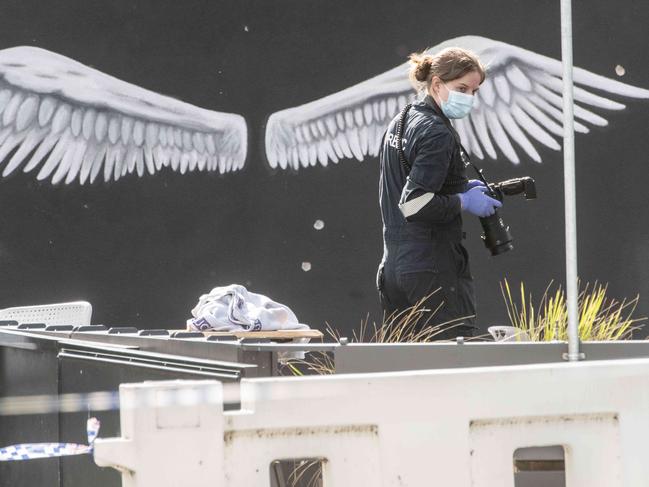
[441,278]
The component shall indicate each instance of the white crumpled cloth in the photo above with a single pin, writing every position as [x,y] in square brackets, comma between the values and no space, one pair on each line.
[234,308]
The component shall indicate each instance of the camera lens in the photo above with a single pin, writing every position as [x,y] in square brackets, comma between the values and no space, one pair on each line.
[496,237]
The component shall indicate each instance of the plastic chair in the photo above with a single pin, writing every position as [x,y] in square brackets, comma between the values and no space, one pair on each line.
[508,334]
[76,313]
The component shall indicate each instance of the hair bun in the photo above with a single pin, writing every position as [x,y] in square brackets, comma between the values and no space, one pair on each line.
[423,68]
[420,66]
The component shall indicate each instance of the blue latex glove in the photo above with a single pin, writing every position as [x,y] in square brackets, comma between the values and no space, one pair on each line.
[476,202]
[473,183]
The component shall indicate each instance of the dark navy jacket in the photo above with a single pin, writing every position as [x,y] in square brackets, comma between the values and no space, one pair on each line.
[433,151]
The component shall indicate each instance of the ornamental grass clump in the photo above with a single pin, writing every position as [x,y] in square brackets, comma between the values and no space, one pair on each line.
[401,327]
[600,317]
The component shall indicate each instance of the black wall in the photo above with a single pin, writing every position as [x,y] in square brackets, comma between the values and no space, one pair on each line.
[142,250]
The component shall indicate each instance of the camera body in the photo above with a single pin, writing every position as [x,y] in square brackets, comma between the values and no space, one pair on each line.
[497,237]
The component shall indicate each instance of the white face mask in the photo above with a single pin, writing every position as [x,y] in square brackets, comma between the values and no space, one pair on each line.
[457,105]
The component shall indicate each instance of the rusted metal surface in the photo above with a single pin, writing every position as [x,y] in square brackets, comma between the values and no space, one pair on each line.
[342,430]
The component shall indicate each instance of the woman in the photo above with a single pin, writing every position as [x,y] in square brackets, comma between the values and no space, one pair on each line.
[423,191]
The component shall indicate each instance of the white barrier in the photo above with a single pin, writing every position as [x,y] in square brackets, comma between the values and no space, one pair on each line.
[452,428]
[166,442]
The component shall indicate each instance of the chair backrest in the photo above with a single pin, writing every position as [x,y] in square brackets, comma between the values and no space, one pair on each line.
[75,313]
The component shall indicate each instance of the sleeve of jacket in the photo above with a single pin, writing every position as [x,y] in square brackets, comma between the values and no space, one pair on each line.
[432,152]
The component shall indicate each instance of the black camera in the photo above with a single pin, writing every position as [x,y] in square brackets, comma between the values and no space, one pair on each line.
[497,237]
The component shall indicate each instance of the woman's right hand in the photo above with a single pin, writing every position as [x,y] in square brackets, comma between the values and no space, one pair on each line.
[473,183]
[476,202]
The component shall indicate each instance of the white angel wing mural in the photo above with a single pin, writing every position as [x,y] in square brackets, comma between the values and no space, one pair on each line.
[519,103]
[77,123]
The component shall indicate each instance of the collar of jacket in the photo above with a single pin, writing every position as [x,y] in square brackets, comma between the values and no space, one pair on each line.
[430,101]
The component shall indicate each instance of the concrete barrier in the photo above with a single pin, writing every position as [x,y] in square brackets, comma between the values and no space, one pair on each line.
[456,427]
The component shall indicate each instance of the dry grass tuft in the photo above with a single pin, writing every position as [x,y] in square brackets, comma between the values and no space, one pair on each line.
[402,327]
[308,473]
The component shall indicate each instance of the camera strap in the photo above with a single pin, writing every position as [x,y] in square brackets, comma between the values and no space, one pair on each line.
[401,124]
[463,153]
[400,127]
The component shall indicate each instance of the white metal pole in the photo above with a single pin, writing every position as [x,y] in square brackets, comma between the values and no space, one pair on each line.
[569,182]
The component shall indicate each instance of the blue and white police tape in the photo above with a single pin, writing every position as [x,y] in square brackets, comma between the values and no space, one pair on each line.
[30,451]
[110,401]
[59,403]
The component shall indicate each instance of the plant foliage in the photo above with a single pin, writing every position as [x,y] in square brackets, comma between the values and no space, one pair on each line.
[600,317]
[402,327]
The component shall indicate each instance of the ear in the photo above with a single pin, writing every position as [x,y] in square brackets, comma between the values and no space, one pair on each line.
[436,84]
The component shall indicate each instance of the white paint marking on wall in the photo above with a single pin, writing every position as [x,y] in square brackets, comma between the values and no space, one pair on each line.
[76,134]
[347,124]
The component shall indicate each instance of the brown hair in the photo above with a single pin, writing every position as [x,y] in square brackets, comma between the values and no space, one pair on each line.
[448,64]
